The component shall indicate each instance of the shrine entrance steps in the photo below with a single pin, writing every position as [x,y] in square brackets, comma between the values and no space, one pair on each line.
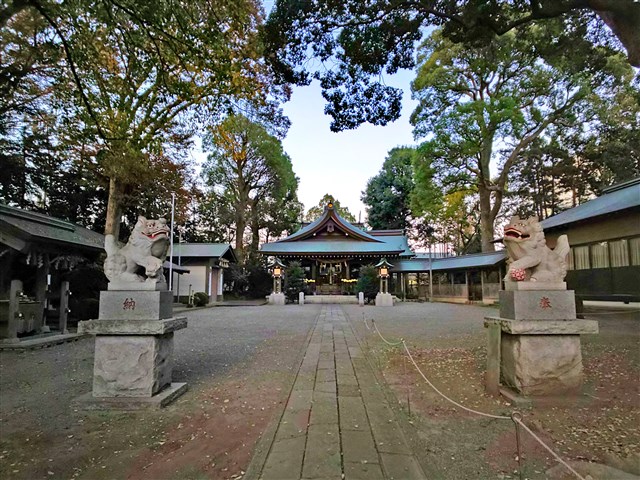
[335,299]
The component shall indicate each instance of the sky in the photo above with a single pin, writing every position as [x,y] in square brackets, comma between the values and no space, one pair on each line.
[340,163]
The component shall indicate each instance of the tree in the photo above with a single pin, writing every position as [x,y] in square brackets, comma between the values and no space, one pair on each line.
[294,281]
[315,212]
[387,195]
[141,70]
[246,169]
[486,106]
[356,42]
[368,282]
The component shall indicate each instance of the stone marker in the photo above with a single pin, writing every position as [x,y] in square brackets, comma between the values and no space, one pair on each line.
[361,299]
[277,299]
[301,298]
[135,326]
[538,349]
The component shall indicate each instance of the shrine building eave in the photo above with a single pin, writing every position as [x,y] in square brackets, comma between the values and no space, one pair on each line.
[324,248]
[330,216]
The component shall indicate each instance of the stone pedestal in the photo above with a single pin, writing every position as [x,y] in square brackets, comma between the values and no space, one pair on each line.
[134,350]
[277,299]
[384,300]
[534,346]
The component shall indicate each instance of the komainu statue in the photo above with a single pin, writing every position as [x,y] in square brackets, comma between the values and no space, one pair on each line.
[146,250]
[529,257]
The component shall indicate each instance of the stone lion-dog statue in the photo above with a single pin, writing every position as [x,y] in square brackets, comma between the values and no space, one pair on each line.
[146,249]
[529,257]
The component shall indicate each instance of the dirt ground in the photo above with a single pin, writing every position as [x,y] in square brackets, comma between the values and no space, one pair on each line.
[238,365]
[601,425]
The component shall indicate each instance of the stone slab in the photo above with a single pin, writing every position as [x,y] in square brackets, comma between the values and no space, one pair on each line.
[161,400]
[277,299]
[285,460]
[523,286]
[132,327]
[402,466]
[358,446]
[538,305]
[384,300]
[41,342]
[132,365]
[541,364]
[135,305]
[544,327]
[363,471]
[322,457]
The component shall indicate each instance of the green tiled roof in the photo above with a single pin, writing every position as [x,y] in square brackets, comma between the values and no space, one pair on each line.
[477,260]
[614,199]
[213,250]
[353,247]
[36,227]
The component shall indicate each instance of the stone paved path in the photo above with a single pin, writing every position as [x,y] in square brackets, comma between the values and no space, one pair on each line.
[337,421]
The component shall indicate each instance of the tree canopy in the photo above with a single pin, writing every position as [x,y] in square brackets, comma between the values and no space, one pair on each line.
[483,107]
[315,212]
[349,45]
[388,194]
[249,177]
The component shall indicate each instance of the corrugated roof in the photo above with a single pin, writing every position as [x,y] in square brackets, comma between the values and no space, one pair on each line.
[477,260]
[214,250]
[617,198]
[43,228]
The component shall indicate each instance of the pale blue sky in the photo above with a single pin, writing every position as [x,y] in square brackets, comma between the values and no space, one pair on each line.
[340,163]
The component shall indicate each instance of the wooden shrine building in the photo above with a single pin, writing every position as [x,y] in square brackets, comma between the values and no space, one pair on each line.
[332,250]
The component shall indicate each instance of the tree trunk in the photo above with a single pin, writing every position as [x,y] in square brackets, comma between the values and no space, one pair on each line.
[114,209]
[486,219]
[241,225]
[255,227]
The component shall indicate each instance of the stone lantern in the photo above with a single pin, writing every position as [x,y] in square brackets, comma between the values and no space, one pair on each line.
[277,269]
[384,298]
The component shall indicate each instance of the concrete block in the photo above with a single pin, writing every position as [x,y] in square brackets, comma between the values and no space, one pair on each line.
[538,305]
[135,305]
[132,366]
[541,364]
[361,299]
[277,299]
[384,300]
[301,298]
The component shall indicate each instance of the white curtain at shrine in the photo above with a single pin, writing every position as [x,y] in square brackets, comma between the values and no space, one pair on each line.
[600,255]
[619,250]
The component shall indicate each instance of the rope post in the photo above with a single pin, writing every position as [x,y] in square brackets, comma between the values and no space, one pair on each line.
[517,417]
[492,375]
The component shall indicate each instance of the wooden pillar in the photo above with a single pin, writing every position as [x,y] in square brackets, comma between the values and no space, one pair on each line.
[41,285]
[492,377]
[14,312]
[482,285]
[63,314]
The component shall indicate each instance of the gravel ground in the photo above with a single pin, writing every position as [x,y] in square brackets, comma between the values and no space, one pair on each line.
[42,437]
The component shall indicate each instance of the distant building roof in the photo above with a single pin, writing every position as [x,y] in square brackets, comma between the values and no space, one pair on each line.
[476,260]
[331,234]
[211,250]
[20,228]
[620,197]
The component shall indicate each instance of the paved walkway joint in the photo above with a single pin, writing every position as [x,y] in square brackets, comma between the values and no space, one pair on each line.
[337,422]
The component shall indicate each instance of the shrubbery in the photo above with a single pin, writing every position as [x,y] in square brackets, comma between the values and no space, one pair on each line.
[200,299]
[368,282]
[294,281]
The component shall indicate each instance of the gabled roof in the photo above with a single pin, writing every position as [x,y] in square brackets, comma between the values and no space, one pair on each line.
[331,234]
[330,215]
[614,199]
[477,260]
[209,250]
[31,227]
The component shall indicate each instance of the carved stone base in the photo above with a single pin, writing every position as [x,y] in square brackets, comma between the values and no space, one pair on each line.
[384,300]
[162,399]
[277,299]
[132,365]
[135,305]
[538,304]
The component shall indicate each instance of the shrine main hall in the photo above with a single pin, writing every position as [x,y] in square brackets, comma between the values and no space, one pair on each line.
[332,250]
